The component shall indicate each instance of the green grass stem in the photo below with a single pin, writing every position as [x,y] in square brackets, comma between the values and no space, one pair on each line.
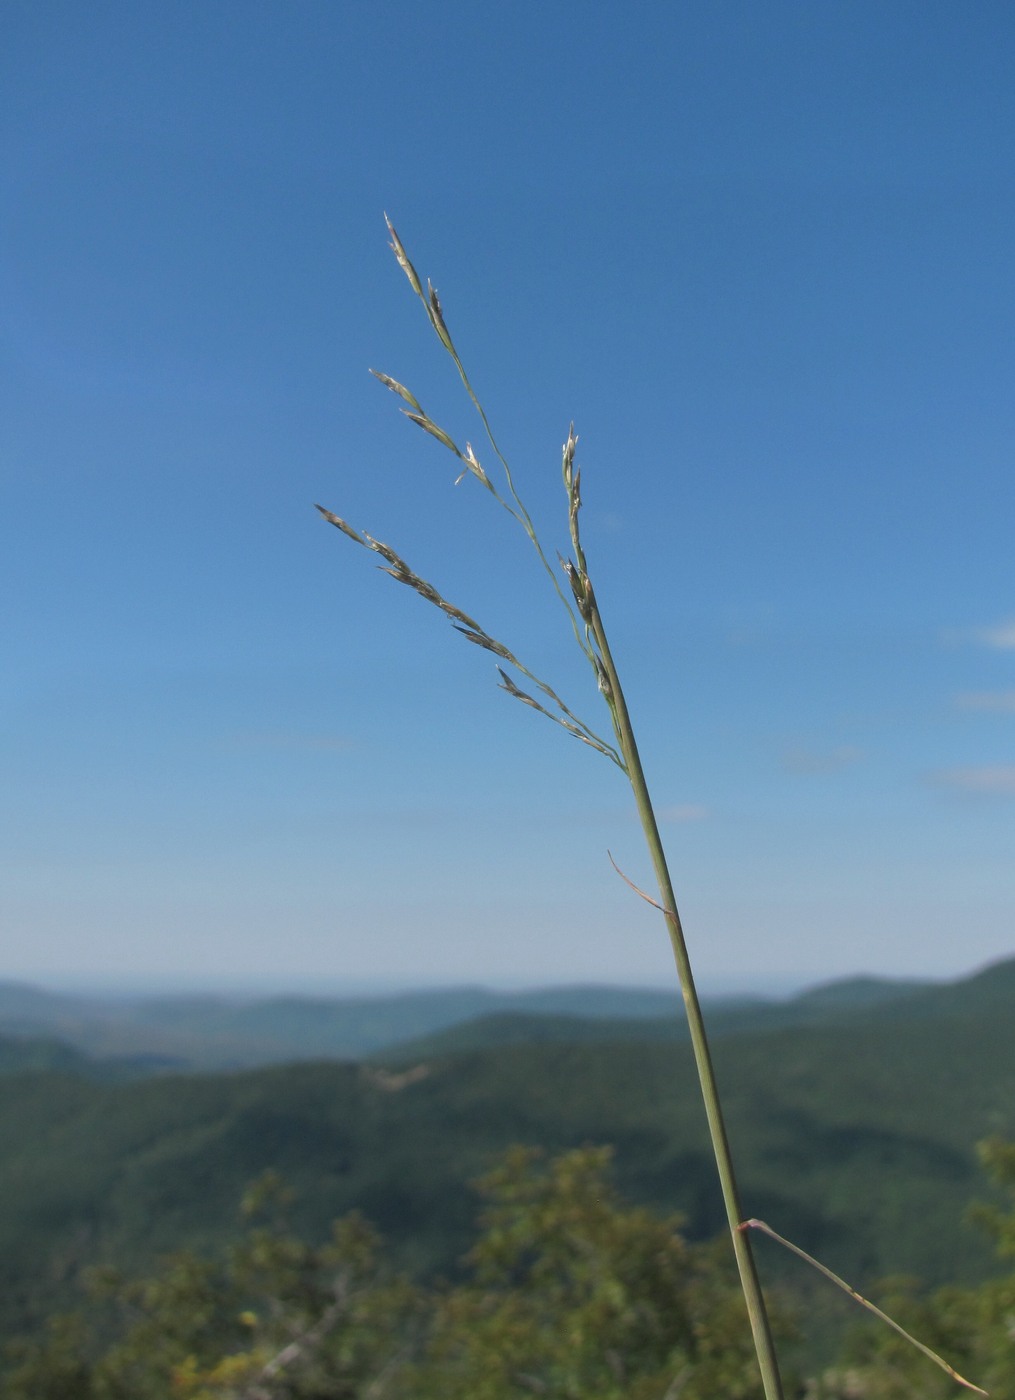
[757,1313]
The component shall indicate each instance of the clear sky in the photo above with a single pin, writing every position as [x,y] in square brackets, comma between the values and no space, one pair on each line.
[760,253]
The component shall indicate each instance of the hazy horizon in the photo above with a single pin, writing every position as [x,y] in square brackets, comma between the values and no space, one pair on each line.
[369,988]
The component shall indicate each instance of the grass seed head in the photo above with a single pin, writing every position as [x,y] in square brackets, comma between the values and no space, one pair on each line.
[403,258]
[399,575]
[603,680]
[459,616]
[488,643]
[473,464]
[437,316]
[574,506]
[398,389]
[579,587]
[508,684]
[340,524]
[569,451]
[429,426]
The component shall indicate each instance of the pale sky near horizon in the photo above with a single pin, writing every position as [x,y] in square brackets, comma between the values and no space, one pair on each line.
[760,254]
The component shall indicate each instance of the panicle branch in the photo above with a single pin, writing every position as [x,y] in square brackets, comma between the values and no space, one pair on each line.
[397,568]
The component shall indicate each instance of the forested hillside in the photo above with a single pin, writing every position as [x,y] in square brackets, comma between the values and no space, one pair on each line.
[855,1137]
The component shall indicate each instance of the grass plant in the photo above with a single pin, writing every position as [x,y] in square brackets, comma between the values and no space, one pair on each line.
[586,621]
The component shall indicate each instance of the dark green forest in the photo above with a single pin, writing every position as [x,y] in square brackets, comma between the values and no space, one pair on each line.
[855,1115]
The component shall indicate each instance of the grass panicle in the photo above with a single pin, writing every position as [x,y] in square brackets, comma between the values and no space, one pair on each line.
[582,606]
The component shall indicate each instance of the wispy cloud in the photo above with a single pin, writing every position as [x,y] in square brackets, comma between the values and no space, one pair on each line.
[995,701]
[805,761]
[683,812]
[993,780]
[1001,636]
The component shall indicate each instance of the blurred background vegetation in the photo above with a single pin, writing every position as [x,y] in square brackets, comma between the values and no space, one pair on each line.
[126,1267]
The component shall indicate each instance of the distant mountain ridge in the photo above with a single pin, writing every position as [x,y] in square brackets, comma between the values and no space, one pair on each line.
[212,1032]
[828,1004]
[206,1032]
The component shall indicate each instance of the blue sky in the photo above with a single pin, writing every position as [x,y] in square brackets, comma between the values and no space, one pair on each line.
[761,255]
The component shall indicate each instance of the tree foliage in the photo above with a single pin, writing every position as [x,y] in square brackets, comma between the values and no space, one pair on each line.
[271,1318]
[567,1293]
[574,1295]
